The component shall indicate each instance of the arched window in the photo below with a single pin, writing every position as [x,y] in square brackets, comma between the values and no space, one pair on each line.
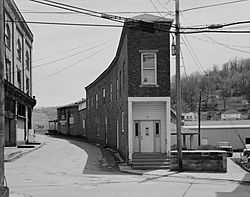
[7,35]
[19,50]
[27,61]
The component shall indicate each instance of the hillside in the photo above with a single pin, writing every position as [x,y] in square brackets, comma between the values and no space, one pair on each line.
[42,116]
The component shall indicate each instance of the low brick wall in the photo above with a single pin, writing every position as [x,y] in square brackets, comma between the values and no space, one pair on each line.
[201,160]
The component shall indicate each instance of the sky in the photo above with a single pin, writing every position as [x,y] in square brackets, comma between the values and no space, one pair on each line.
[68,58]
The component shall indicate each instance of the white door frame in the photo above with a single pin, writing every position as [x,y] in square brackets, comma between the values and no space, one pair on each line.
[166,136]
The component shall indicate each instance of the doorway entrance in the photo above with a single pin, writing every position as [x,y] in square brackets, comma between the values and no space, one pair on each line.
[147,136]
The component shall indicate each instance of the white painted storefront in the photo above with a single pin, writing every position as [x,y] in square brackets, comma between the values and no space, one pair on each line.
[149,125]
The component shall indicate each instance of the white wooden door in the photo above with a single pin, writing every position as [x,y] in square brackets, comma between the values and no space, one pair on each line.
[147,136]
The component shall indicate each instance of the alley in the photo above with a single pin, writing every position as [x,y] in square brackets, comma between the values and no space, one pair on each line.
[71,168]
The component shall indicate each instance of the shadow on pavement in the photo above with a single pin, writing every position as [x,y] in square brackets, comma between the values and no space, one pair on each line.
[242,190]
[99,159]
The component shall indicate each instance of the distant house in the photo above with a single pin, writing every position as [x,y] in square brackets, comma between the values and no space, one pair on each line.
[71,119]
[231,115]
[191,116]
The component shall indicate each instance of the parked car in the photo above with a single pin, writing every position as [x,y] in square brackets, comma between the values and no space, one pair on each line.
[246,150]
[226,146]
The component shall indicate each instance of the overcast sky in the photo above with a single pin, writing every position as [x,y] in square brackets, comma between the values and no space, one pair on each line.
[68,58]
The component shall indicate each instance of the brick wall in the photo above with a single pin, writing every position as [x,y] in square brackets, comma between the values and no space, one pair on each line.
[126,67]
[139,40]
[110,109]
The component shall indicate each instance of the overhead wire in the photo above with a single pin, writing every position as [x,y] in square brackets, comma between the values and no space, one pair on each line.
[66,24]
[74,9]
[71,55]
[203,71]
[67,67]
[193,57]
[214,5]
[72,49]
[219,43]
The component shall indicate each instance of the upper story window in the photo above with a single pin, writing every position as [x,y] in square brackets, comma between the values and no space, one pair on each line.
[27,85]
[27,60]
[19,79]
[149,68]
[7,36]
[96,101]
[117,88]
[8,70]
[103,95]
[19,49]
[111,92]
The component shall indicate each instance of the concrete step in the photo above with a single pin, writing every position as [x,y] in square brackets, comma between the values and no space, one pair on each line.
[151,167]
[150,161]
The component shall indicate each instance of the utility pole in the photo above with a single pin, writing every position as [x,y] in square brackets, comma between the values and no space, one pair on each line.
[4,191]
[178,87]
[199,121]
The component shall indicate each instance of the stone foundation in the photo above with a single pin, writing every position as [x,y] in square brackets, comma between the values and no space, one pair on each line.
[201,160]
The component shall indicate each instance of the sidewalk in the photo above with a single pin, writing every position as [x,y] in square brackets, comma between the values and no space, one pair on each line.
[234,173]
[12,153]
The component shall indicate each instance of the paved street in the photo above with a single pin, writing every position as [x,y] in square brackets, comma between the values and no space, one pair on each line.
[71,168]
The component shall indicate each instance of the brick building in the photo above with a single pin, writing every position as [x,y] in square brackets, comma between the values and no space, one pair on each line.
[19,101]
[128,105]
[71,119]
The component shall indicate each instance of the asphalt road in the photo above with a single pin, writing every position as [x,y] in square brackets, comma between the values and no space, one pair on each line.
[72,168]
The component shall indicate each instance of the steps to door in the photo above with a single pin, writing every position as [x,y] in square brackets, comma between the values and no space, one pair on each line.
[145,161]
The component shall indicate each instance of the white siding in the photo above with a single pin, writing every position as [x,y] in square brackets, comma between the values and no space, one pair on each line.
[151,111]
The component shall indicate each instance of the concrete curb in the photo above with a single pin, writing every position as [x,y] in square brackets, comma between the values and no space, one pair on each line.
[21,153]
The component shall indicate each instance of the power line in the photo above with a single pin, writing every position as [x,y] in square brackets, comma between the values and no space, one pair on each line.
[222,44]
[154,6]
[67,67]
[72,49]
[214,41]
[74,9]
[217,26]
[113,12]
[72,55]
[59,59]
[194,54]
[194,59]
[208,6]
[65,24]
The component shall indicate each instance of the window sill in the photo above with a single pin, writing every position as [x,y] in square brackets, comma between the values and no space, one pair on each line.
[149,86]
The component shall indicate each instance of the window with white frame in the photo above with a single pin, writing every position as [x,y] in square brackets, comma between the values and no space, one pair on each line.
[149,68]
